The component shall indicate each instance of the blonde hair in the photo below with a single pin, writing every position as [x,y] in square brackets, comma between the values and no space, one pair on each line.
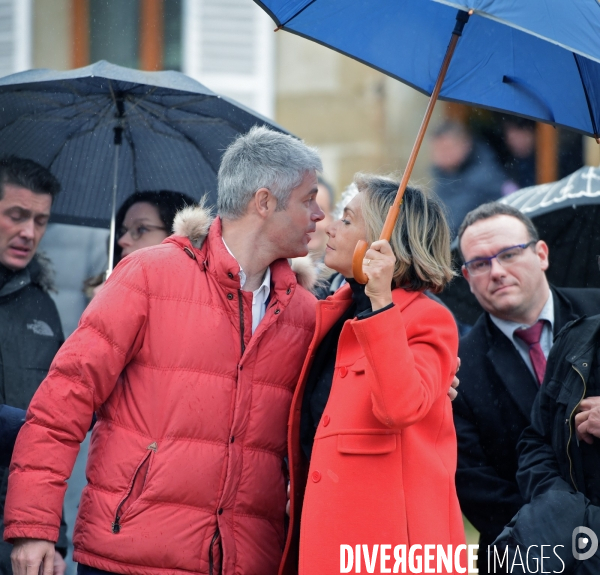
[421,238]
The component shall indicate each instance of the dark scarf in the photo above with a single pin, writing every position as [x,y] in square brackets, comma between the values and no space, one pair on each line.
[320,377]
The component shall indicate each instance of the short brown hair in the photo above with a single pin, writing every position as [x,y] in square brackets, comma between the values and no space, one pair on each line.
[421,238]
[490,210]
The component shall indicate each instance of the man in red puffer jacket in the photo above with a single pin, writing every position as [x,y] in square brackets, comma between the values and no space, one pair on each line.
[189,357]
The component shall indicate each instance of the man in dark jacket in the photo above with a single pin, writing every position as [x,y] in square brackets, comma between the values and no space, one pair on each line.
[11,420]
[559,454]
[505,267]
[30,328]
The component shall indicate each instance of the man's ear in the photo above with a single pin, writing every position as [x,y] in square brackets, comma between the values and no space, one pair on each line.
[264,202]
[465,274]
[541,249]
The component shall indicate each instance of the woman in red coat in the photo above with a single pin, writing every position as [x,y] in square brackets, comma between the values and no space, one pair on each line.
[372,442]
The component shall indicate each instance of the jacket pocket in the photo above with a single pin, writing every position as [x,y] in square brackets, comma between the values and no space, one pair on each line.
[359,365]
[366,444]
[136,487]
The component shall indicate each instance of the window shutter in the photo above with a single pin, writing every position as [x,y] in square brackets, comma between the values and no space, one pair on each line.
[228,45]
[15,36]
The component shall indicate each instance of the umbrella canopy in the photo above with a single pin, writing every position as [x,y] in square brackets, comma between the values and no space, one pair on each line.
[165,131]
[495,66]
[580,20]
[567,215]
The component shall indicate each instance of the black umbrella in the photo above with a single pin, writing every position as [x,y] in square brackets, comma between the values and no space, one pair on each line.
[567,216]
[106,131]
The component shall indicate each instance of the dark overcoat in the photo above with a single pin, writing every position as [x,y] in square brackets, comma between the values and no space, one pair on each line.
[496,394]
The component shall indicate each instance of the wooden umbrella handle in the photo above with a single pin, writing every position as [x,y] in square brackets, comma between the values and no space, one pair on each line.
[394,211]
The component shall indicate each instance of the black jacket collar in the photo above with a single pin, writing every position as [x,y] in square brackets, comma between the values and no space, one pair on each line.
[38,272]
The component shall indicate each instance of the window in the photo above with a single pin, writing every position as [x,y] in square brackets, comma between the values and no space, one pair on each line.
[142,34]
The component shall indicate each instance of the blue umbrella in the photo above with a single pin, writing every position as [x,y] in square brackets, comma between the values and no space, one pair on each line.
[107,131]
[497,65]
[513,56]
[574,25]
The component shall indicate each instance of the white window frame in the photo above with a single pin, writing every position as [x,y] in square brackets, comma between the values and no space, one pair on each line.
[261,84]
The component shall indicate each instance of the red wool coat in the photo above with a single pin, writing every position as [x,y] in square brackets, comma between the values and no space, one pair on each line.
[384,458]
[192,413]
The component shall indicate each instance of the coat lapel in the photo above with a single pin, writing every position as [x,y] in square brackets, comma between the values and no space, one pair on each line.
[511,369]
[508,363]
[329,311]
[563,312]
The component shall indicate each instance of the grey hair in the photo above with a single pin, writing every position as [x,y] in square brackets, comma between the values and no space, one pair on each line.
[262,158]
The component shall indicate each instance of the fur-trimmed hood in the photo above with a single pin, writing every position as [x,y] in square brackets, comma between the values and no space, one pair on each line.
[193,222]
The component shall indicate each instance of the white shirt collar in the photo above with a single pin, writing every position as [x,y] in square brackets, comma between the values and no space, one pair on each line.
[266,283]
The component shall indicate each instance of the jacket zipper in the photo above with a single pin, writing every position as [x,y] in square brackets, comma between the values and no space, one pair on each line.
[211,556]
[116,525]
[241,303]
[571,428]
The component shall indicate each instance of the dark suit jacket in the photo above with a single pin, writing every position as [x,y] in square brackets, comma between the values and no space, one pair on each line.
[493,407]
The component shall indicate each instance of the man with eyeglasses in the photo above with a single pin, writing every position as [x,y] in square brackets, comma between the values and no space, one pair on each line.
[504,357]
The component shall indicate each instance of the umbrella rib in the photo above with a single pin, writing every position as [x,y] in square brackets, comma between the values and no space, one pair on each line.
[69,139]
[182,134]
[196,147]
[296,14]
[142,98]
[150,107]
[73,135]
[32,115]
[215,120]
[521,84]
[129,138]
[587,97]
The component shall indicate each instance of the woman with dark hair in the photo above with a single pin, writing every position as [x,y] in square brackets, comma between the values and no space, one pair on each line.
[372,441]
[144,219]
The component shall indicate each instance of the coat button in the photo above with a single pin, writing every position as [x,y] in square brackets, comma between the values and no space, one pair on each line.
[230,275]
[220,511]
[288,291]
[343,371]
[315,476]
[326,420]
[277,311]
[229,296]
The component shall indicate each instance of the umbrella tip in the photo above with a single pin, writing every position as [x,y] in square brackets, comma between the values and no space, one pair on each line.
[597,139]
[278,28]
[471,12]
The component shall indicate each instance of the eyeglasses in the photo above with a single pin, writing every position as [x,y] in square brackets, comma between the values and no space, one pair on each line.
[505,257]
[138,231]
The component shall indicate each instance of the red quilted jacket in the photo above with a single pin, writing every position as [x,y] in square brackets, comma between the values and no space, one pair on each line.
[186,459]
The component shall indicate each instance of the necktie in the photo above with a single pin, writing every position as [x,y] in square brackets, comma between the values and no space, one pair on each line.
[531,336]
